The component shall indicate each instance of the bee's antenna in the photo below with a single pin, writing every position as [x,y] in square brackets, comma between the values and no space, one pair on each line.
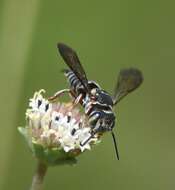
[115,144]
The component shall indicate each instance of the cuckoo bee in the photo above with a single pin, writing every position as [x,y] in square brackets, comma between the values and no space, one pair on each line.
[97,103]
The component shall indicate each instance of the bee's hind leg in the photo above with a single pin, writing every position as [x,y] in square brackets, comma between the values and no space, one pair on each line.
[60,93]
[75,100]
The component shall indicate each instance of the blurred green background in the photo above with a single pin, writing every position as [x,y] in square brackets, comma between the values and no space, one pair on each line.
[108,35]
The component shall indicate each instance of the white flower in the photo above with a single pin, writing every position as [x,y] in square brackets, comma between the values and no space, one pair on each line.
[58,125]
[38,103]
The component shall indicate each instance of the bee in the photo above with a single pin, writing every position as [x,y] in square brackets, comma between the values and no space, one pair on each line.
[97,103]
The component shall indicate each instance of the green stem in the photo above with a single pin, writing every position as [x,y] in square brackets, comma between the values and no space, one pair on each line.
[37,182]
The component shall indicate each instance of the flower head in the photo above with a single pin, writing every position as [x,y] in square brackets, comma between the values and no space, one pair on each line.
[55,131]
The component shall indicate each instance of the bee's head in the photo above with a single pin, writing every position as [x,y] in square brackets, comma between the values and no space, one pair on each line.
[102,97]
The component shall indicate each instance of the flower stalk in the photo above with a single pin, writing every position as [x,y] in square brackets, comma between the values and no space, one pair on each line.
[37,182]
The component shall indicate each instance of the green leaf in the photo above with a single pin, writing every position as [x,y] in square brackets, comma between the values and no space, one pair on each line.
[24,132]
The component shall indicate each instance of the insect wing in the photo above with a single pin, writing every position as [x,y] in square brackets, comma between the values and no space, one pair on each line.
[72,60]
[128,80]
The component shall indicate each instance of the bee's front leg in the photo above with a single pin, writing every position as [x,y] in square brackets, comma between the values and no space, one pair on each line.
[78,99]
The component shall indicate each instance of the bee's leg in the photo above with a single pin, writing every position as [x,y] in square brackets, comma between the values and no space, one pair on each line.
[77,100]
[60,93]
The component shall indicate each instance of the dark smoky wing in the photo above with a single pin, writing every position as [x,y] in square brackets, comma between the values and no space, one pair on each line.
[72,60]
[128,80]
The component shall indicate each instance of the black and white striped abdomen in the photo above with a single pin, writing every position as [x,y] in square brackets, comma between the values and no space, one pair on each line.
[74,82]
